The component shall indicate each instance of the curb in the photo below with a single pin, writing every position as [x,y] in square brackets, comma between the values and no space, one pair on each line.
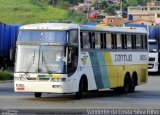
[6,81]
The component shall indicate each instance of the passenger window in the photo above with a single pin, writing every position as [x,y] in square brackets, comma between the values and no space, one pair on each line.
[103,40]
[129,41]
[108,41]
[114,41]
[124,41]
[133,41]
[138,42]
[92,40]
[85,40]
[97,40]
[119,41]
[142,42]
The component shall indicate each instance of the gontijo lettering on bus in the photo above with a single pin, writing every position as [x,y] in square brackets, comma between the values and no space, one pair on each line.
[123,57]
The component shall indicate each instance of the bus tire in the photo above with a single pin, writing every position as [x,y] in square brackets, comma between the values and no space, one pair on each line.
[37,94]
[132,86]
[126,86]
[79,94]
[83,87]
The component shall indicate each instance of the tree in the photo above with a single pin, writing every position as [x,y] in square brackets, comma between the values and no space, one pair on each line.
[63,4]
[136,2]
[111,10]
[53,2]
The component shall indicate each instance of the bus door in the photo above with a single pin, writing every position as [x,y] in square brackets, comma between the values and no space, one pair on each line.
[72,59]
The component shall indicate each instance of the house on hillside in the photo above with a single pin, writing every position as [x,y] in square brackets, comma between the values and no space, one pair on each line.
[149,13]
[114,20]
[153,3]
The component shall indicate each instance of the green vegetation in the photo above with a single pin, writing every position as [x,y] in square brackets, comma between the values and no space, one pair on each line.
[31,11]
[4,75]
[39,11]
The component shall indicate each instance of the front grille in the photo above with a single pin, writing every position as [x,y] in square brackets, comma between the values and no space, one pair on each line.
[151,59]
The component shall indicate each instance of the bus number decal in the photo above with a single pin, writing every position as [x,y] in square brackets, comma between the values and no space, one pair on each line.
[143,57]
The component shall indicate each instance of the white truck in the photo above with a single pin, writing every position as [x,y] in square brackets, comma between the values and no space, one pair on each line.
[153,62]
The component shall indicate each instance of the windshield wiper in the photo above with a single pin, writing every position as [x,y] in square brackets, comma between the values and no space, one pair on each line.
[46,65]
[29,65]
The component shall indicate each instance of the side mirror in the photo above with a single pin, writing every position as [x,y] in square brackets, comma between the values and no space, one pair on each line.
[12,54]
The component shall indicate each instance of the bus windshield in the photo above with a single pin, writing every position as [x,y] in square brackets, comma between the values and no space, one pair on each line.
[41,59]
[42,36]
[153,47]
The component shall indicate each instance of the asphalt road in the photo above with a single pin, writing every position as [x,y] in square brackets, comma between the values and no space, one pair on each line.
[146,96]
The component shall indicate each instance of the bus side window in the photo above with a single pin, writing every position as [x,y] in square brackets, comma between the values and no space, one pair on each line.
[92,40]
[142,42]
[102,40]
[138,42]
[133,41]
[85,40]
[108,41]
[114,41]
[124,41]
[98,40]
[129,41]
[119,41]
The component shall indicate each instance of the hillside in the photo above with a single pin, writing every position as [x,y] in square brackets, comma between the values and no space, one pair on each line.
[26,11]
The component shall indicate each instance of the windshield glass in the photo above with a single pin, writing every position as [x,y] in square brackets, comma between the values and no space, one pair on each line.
[43,59]
[153,47]
[42,36]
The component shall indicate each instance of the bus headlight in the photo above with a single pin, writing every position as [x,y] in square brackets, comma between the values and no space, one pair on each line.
[58,79]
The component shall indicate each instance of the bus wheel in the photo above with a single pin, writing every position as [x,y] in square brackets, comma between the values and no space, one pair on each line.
[127,85]
[79,94]
[37,95]
[132,86]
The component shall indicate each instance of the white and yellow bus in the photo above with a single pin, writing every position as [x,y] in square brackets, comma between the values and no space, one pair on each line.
[69,58]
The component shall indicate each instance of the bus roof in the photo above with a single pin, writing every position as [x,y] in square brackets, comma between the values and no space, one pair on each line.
[50,26]
[114,29]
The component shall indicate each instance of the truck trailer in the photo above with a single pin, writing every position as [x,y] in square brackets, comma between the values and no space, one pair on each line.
[8,38]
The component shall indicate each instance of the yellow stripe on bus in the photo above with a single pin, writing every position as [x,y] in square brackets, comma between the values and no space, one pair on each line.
[56,76]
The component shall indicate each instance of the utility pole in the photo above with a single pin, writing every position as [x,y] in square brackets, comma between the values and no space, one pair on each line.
[86,2]
[121,7]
